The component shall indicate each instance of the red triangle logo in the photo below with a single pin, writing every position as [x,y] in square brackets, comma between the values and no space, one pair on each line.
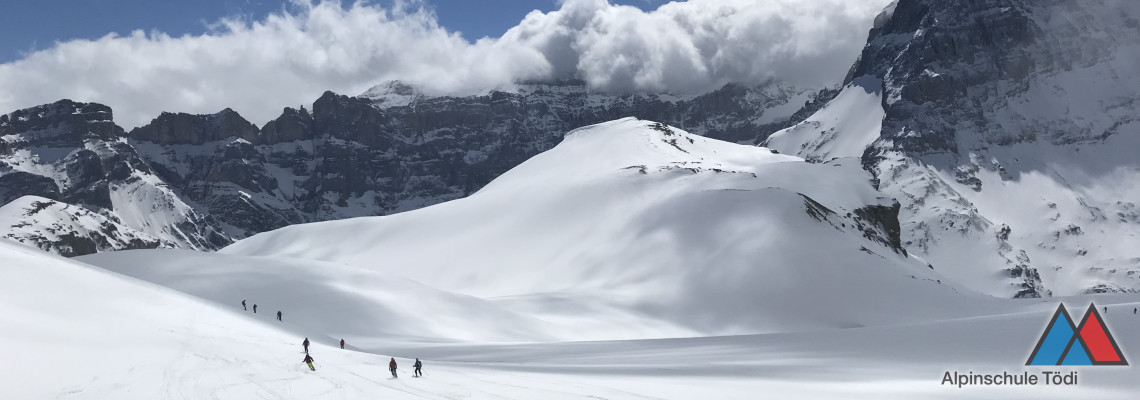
[1099,341]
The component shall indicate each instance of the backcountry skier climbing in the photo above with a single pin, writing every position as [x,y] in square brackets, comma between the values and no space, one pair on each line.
[392,367]
[417,367]
[342,344]
[305,344]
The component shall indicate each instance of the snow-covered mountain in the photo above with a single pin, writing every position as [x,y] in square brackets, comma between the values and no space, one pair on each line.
[1006,129]
[395,149]
[638,216]
[215,177]
[622,256]
[73,153]
[1003,128]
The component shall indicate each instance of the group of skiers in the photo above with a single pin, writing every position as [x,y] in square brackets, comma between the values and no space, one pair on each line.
[308,358]
[255,309]
[417,367]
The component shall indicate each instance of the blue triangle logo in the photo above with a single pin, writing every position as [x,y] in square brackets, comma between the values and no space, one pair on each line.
[1056,341]
[1077,354]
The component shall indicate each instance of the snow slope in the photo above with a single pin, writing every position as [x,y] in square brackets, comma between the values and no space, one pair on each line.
[319,294]
[633,215]
[69,230]
[842,128]
[98,335]
[73,331]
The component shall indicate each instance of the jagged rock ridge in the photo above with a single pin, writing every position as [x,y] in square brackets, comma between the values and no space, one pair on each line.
[87,188]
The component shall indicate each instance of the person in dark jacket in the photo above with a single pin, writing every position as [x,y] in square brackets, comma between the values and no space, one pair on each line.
[392,367]
[309,360]
[243,308]
[417,367]
[279,315]
[342,344]
[305,344]
[255,308]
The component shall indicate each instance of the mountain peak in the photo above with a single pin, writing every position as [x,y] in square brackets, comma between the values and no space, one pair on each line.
[392,94]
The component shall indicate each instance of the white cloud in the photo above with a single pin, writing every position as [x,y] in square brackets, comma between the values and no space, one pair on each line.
[290,58]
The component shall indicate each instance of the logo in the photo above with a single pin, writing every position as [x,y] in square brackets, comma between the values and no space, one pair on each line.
[1064,343]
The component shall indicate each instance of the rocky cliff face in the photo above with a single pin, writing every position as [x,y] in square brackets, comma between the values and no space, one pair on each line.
[1003,129]
[182,128]
[69,153]
[394,149]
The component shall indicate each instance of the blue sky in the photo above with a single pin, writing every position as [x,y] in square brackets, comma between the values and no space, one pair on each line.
[37,24]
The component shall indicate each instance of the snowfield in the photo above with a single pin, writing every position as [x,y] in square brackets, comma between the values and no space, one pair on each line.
[632,261]
[101,335]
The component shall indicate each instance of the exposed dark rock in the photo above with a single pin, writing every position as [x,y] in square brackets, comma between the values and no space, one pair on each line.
[182,128]
[63,124]
[19,183]
[883,225]
[816,210]
[291,126]
[1028,279]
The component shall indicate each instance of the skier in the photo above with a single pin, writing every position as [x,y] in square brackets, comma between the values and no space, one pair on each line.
[255,308]
[305,344]
[417,367]
[279,315]
[1106,309]
[392,367]
[342,344]
[1133,310]
[309,360]
[243,306]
